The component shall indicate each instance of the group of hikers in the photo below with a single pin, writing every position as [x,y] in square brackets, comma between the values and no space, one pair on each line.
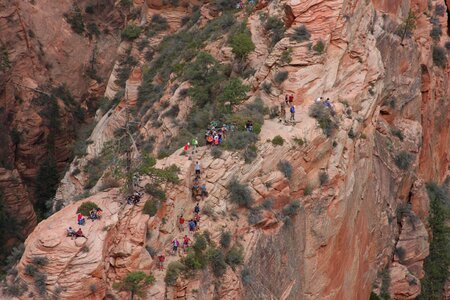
[288,102]
[240,4]
[94,214]
[135,198]
[215,135]
[197,189]
[74,234]
[327,103]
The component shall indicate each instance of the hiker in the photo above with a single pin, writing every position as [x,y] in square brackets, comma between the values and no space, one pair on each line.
[175,245]
[161,259]
[181,223]
[319,100]
[186,241]
[197,208]
[282,113]
[216,140]
[197,168]
[194,144]
[99,213]
[79,233]
[71,232]
[197,221]
[286,99]
[330,105]
[292,110]
[191,224]
[249,126]
[80,219]
[186,147]
[291,99]
[204,192]
[93,214]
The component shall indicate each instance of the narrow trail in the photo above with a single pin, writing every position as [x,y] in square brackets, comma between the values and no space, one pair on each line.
[183,205]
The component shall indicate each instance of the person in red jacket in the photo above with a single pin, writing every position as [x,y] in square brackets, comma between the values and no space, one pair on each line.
[181,223]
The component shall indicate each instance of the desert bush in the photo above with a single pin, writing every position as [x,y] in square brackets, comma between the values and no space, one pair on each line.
[195,261]
[239,193]
[172,112]
[225,239]
[235,256]
[241,44]
[301,34]
[436,33]
[239,140]
[39,261]
[319,47]
[234,92]
[159,23]
[308,190]
[75,19]
[254,215]
[323,116]
[403,160]
[286,168]
[173,271]
[245,276]
[217,262]
[401,254]
[286,56]
[276,28]
[150,208]
[86,207]
[439,56]
[281,76]
[277,141]
[216,152]
[30,270]
[447,46]
[109,182]
[136,283]
[292,208]
[299,141]
[266,87]
[15,255]
[250,154]
[16,288]
[152,251]
[268,203]
[224,4]
[323,177]
[131,32]
[208,210]
[398,133]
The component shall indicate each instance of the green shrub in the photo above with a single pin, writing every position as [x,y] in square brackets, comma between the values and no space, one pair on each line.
[403,160]
[447,46]
[385,282]
[292,208]
[266,87]
[323,116]
[439,56]
[217,262]
[47,180]
[254,216]
[225,239]
[323,177]
[150,208]
[276,28]
[200,243]
[131,32]
[234,91]
[30,270]
[250,154]
[319,47]
[216,152]
[75,19]
[241,44]
[278,141]
[286,56]
[136,283]
[301,34]
[39,261]
[235,256]
[239,193]
[398,133]
[16,289]
[159,23]
[172,112]
[173,271]
[268,203]
[224,4]
[308,190]
[281,76]
[154,190]
[286,168]
[239,140]
[245,276]
[40,282]
[86,207]
[194,261]
[436,264]
[436,33]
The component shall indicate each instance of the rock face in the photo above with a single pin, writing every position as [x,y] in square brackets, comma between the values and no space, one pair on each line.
[366,215]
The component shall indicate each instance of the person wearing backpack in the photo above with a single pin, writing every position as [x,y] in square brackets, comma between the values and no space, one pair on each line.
[175,245]
[292,110]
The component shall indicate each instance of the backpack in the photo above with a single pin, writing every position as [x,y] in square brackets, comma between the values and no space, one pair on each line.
[292,109]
